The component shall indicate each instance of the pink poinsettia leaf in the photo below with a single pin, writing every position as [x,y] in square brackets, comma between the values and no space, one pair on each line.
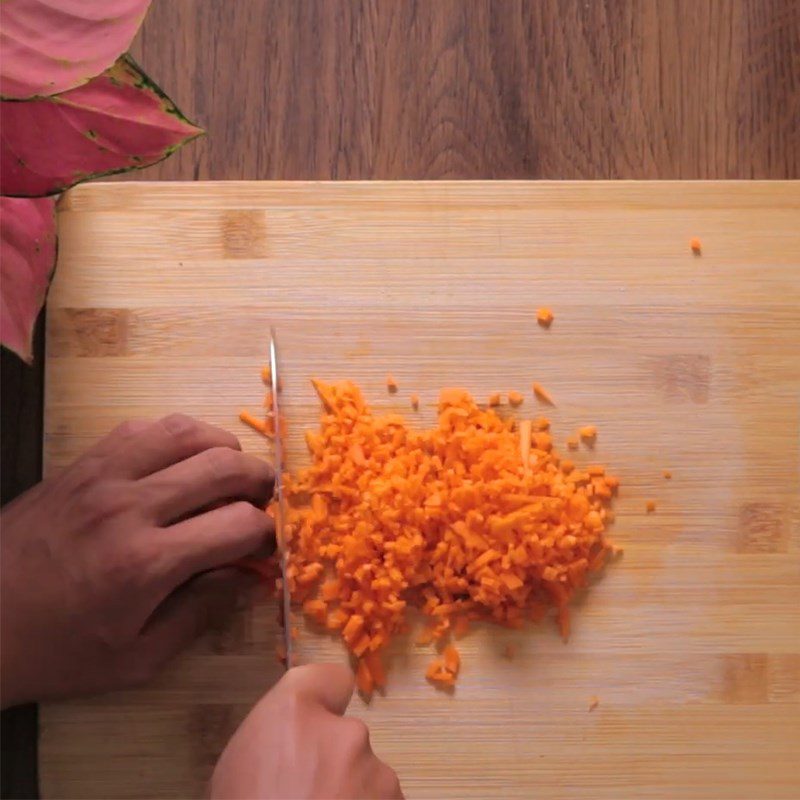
[50,46]
[118,121]
[27,260]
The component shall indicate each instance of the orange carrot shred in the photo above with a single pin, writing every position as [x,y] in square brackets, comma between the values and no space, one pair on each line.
[255,423]
[667,474]
[542,394]
[391,384]
[515,398]
[544,316]
[588,432]
[573,442]
[266,375]
[650,506]
[594,701]
[415,401]
[452,659]
[696,245]
[494,399]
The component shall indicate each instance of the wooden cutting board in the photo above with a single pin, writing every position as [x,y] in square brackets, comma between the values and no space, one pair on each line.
[691,641]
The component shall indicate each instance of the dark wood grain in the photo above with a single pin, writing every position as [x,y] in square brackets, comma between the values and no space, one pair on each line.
[401,89]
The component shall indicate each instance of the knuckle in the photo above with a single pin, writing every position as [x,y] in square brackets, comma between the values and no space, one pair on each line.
[125,430]
[356,733]
[102,500]
[248,517]
[181,427]
[224,464]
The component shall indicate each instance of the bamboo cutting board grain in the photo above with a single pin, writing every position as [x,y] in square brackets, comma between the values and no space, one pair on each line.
[162,302]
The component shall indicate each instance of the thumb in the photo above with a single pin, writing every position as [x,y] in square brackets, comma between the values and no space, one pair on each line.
[329,685]
[201,603]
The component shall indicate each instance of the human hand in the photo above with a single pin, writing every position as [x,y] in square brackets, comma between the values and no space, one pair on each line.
[112,566]
[295,743]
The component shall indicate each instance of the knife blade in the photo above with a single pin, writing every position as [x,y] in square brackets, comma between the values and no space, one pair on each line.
[280,531]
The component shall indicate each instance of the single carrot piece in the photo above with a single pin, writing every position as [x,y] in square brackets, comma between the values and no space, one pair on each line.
[266,375]
[364,680]
[594,701]
[391,384]
[588,432]
[696,245]
[515,398]
[494,399]
[544,316]
[452,659]
[573,443]
[650,505]
[415,401]
[542,394]
[667,474]
[525,443]
[253,422]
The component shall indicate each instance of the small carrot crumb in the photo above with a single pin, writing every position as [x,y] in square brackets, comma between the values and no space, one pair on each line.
[542,394]
[667,474]
[588,432]
[515,398]
[452,659]
[257,424]
[266,375]
[415,401]
[544,316]
[573,442]
[594,701]
[696,245]
[494,399]
[391,384]
[650,505]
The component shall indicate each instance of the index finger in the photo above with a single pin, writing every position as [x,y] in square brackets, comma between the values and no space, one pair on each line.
[166,442]
[330,685]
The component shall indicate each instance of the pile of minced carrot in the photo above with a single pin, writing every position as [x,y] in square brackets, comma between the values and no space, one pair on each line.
[477,518]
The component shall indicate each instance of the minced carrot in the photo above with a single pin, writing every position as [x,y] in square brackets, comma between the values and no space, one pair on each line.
[266,375]
[415,401]
[259,425]
[542,394]
[515,398]
[696,245]
[391,384]
[650,505]
[544,316]
[494,399]
[448,520]
[588,432]
[573,442]
[452,659]
[594,701]
[667,474]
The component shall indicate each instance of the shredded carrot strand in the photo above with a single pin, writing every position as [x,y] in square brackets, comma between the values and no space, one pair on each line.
[542,394]
[259,425]
[544,316]
[515,398]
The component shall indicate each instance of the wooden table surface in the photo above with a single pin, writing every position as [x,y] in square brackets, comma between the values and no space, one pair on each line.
[398,89]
